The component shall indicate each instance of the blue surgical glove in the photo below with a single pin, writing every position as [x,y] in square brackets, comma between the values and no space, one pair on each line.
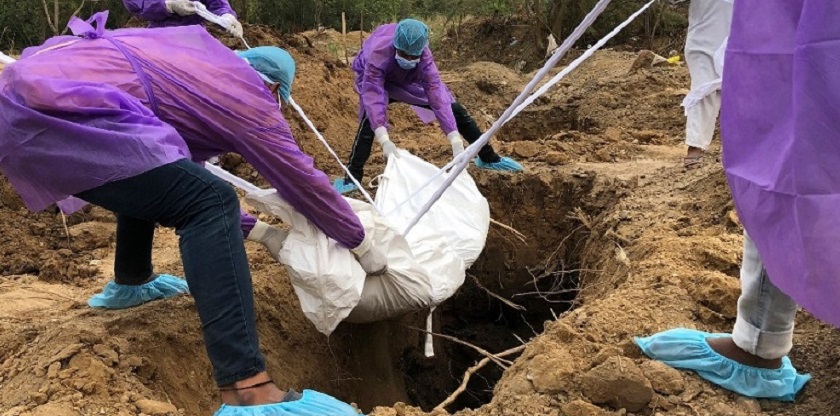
[687,349]
[505,164]
[116,296]
[311,403]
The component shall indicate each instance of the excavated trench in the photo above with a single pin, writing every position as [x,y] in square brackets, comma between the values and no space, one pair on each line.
[383,363]
[538,273]
[162,353]
[539,277]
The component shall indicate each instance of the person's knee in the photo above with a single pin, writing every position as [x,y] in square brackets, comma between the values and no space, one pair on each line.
[225,196]
[212,196]
[213,203]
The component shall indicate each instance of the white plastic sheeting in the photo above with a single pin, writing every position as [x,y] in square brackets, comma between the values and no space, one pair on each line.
[424,269]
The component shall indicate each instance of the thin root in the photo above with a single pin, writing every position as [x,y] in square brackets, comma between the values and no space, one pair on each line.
[470,371]
[515,232]
[498,297]
[501,362]
[66,228]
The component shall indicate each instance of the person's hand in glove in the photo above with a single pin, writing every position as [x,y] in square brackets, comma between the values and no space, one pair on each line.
[269,236]
[235,28]
[372,260]
[180,7]
[457,143]
[388,147]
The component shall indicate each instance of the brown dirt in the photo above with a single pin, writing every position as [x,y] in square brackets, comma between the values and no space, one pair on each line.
[604,204]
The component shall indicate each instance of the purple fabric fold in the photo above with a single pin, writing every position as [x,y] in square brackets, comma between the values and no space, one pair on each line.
[86,29]
[76,114]
[780,124]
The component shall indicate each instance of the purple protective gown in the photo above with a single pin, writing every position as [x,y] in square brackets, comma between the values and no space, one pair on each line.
[76,113]
[780,125]
[154,12]
[379,77]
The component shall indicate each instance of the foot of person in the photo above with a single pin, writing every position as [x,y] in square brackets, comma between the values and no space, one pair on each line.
[239,393]
[693,157]
[120,296]
[727,348]
[344,185]
[504,164]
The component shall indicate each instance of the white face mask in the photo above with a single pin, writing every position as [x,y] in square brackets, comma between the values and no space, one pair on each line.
[405,63]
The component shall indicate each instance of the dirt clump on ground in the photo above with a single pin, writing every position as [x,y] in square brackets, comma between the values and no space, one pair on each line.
[618,240]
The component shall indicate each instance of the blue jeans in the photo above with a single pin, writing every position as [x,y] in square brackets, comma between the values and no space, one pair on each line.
[204,210]
[764,326]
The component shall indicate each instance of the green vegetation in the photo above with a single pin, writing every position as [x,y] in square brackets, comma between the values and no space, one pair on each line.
[29,22]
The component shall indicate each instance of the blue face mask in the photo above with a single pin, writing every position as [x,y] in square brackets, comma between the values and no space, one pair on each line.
[405,63]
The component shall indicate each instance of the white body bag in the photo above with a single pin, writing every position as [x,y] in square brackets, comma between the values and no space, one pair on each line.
[425,267]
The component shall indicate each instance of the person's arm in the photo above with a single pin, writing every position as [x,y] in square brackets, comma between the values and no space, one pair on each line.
[274,154]
[440,100]
[149,10]
[374,96]
[244,118]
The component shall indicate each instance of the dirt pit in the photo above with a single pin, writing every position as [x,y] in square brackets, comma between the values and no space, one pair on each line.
[617,241]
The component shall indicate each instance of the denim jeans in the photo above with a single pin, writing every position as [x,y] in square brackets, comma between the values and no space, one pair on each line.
[204,210]
[133,258]
[764,326]
[360,153]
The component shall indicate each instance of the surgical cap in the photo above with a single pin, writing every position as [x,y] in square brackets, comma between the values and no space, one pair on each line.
[411,36]
[274,66]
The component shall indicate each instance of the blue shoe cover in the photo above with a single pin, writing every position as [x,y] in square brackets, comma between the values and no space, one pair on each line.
[115,296]
[506,164]
[311,404]
[687,349]
[344,186]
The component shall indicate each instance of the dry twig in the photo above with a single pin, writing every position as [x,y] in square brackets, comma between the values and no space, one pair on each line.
[66,228]
[562,273]
[49,18]
[515,232]
[613,234]
[470,371]
[547,293]
[499,361]
[557,250]
[498,297]
[581,216]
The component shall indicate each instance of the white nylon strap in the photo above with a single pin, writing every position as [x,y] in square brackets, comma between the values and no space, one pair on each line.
[459,163]
[332,152]
[202,11]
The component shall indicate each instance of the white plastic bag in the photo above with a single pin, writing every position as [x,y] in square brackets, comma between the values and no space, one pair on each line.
[424,269]
[461,217]
[326,277]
